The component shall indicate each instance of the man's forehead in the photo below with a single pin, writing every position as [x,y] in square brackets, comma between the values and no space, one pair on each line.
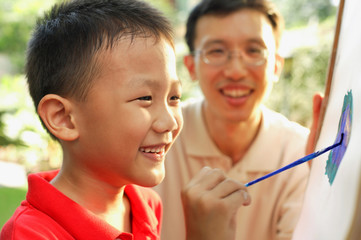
[228,30]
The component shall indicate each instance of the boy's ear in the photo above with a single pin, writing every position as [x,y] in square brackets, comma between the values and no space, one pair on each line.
[56,113]
[278,67]
[189,62]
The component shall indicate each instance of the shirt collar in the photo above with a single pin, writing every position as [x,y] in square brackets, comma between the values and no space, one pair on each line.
[198,142]
[43,196]
[144,221]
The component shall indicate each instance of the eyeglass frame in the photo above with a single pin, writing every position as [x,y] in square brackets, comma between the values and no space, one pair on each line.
[229,54]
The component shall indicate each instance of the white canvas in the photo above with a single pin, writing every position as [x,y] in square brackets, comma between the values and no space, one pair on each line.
[333,211]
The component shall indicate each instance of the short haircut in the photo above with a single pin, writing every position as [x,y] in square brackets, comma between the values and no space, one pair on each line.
[62,52]
[226,7]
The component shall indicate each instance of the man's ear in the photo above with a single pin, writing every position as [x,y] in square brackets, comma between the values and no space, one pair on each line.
[56,113]
[189,62]
[278,67]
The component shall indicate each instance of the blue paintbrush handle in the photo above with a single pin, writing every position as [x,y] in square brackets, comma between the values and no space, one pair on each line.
[297,162]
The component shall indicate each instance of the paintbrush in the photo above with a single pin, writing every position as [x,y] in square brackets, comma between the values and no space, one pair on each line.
[297,162]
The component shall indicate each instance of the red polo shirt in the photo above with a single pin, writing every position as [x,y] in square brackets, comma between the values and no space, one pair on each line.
[48,214]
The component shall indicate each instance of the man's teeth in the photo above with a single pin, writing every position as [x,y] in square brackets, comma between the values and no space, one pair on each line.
[236,92]
[152,150]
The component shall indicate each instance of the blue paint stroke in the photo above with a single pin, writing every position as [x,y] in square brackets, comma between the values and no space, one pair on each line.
[344,128]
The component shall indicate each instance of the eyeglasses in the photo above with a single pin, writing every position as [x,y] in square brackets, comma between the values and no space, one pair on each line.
[217,56]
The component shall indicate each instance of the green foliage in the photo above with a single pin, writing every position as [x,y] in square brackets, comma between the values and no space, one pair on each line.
[17,18]
[10,199]
[300,12]
[304,75]
[4,139]
[9,106]
[165,6]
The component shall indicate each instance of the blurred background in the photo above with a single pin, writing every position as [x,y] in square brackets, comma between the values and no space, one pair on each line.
[25,146]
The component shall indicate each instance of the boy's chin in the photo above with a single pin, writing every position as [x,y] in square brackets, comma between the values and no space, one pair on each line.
[155,177]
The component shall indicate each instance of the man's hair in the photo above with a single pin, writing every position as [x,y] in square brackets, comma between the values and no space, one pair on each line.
[62,53]
[226,7]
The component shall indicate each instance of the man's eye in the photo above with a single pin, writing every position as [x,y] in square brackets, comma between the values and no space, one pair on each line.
[145,98]
[215,51]
[255,51]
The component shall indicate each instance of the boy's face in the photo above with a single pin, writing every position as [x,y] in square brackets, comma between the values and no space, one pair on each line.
[234,90]
[132,114]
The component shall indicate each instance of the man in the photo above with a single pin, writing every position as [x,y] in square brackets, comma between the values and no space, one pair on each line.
[233,54]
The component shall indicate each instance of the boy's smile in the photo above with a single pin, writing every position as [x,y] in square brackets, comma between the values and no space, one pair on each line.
[156,153]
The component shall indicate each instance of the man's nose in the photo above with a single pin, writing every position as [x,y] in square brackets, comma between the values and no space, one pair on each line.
[235,68]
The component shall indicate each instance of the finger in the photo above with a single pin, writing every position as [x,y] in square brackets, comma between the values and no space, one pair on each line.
[207,179]
[312,138]
[238,198]
[233,191]
[199,176]
[316,110]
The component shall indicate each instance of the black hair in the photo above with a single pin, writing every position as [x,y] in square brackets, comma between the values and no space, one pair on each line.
[225,7]
[61,53]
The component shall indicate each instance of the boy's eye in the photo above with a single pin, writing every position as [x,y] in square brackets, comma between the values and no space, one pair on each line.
[145,98]
[175,98]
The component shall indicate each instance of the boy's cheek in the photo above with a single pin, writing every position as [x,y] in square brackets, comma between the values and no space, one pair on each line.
[180,121]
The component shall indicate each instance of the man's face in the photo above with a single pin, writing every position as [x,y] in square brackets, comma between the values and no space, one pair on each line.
[235,89]
[132,114]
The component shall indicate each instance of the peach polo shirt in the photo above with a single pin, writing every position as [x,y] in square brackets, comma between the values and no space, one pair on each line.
[276,202]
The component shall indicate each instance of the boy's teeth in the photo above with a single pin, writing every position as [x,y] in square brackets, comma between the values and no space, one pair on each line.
[153,150]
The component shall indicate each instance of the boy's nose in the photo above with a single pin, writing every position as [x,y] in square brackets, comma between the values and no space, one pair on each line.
[168,120]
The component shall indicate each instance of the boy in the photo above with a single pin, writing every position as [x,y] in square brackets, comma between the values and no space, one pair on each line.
[103,80]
